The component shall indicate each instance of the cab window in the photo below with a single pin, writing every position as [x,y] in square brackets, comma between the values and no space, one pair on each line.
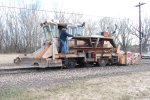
[54,30]
[47,33]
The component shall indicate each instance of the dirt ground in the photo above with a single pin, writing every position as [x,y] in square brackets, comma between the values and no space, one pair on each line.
[126,86]
[133,86]
[7,58]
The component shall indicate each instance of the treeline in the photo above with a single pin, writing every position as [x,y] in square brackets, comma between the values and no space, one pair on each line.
[20,30]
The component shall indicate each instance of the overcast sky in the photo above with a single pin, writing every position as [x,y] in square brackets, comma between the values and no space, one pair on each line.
[104,8]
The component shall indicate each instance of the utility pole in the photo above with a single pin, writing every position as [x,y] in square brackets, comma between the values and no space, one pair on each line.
[140,33]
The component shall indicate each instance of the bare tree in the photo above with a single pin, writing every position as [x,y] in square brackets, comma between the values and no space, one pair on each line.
[29,28]
[90,27]
[61,15]
[1,34]
[125,31]
[20,29]
[106,24]
[146,33]
[76,18]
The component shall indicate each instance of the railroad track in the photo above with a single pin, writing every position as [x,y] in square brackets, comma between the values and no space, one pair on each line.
[26,70]
[37,77]
[13,69]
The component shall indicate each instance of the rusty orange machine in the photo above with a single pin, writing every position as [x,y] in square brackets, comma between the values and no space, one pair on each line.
[99,50]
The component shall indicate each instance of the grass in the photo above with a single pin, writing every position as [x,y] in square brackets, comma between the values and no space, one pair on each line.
[10,94]
[125,97]
[133,86]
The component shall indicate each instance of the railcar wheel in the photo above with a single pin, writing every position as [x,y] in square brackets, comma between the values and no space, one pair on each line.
[102,62]
[110,62]
[69,63]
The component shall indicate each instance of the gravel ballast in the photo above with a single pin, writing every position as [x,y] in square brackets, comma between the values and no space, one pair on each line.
[36,78]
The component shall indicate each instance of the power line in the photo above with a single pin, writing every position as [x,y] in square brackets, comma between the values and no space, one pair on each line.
[41,10]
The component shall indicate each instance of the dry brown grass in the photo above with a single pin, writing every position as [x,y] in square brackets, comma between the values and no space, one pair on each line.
[124,87]
[7,58]
[134,86]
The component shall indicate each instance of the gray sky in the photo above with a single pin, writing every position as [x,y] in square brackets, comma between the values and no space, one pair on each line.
[104,8]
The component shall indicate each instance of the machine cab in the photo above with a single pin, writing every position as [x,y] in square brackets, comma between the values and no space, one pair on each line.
[76,30]
[51,32]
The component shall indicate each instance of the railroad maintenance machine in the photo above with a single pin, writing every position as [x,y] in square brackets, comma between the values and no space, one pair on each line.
[99,50]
